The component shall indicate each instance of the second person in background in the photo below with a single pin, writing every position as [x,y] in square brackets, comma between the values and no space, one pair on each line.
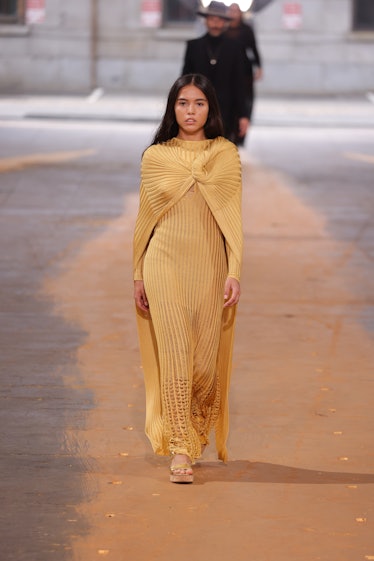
[245,36]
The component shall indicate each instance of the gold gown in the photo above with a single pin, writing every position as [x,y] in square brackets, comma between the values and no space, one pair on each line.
[184,266]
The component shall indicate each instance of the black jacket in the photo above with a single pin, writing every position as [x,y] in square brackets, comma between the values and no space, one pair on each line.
[227,75]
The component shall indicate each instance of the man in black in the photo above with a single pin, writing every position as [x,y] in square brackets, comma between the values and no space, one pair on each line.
[222,60]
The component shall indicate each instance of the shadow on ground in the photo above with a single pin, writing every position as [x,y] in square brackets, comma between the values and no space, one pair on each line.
[244,471]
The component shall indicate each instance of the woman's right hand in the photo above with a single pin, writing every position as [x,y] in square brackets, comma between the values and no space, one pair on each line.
[140,296]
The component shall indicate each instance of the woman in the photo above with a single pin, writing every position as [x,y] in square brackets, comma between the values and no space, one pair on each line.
[187,257]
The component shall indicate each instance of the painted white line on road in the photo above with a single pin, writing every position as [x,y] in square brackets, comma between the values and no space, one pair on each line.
[22,162]
[95,95]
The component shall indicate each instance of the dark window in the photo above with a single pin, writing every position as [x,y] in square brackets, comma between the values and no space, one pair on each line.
[363,15]
[12,11]
[180,11]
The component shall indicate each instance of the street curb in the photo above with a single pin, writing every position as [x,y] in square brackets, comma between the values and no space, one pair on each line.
[257,121]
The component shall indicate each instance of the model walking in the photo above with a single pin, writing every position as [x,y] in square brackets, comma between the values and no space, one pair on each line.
[187,258]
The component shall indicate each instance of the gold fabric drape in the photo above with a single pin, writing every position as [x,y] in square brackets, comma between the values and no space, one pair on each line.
[168,172]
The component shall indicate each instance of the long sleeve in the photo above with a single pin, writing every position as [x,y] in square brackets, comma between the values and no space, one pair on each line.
[234,265]
[188,67]
[138,272]
[240,89]
[256,58]
[143,229]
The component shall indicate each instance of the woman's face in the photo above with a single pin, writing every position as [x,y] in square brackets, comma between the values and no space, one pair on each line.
[191,113]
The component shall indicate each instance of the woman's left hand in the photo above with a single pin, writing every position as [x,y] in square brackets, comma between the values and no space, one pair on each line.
[232,292]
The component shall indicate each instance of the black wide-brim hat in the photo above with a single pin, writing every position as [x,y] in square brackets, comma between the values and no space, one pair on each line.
[215,9]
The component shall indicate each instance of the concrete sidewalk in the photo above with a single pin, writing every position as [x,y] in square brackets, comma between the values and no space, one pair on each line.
[357,111]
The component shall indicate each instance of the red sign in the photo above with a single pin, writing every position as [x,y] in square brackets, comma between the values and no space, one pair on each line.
[292,15]
[151,13]
[35,11]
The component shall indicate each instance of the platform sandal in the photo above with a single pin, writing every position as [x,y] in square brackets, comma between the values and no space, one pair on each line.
[182,476]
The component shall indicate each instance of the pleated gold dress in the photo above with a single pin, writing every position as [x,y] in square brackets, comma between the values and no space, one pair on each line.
[184,268]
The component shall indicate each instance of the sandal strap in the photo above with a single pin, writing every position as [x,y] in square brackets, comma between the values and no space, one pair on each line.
[180,466]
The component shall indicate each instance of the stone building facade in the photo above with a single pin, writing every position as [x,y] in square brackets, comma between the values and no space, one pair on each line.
[65,46]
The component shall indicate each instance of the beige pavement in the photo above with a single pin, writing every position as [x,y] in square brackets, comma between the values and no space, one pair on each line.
[299,485]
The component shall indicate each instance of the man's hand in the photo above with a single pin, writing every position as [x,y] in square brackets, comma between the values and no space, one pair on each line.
[243,126]
[258,73]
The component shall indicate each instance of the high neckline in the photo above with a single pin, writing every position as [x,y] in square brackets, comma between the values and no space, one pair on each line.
[191,144]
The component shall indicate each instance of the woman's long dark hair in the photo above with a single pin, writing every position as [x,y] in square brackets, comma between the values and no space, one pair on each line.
[169,127]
